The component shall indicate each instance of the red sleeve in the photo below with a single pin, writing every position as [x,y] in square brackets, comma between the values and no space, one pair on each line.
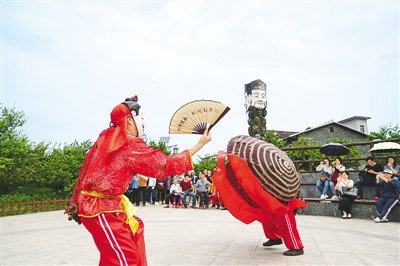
[82,173]
[146,161]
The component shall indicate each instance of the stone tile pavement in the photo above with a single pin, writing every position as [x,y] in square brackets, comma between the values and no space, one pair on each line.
[201,237]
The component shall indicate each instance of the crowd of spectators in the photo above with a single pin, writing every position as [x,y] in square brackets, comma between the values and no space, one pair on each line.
[329,175]
[189,190]
[334,180]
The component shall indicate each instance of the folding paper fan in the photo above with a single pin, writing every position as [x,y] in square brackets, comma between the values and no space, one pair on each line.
[195,117]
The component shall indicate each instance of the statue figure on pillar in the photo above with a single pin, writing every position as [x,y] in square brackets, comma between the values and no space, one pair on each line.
[256,108]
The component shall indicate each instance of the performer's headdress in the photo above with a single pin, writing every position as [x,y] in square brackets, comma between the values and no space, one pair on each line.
[116,135]
[132,105]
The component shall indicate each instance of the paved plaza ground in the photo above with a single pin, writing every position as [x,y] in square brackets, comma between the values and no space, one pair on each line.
[201,237]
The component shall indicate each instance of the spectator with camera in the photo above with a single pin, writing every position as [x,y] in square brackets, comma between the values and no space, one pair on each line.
[368,178]
[325,172]
[389,197]
[393,166]
[347,194]
[337,169]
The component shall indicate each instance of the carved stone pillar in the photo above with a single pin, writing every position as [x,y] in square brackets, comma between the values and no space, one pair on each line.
[256,107]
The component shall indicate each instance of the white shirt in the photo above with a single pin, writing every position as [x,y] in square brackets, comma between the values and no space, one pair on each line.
[341,185]
[152,182]
[176,188]
[326,169]
[341,168]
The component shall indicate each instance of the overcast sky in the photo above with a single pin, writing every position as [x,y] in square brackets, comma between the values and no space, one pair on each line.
[66,65]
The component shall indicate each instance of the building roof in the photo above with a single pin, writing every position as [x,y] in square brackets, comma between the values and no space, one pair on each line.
[354,118]
[324,125]
[165,139]
[283,134]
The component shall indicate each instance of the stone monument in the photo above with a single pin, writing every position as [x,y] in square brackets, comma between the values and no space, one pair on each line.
[256,108]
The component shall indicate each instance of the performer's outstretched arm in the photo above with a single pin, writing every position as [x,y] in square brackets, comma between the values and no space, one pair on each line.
[146,161]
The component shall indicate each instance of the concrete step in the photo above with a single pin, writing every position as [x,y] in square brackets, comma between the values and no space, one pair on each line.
[308,187]
[361,209]
[311,191]
[313,177]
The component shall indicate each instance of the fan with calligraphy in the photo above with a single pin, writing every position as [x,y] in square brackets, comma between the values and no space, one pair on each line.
[197,116]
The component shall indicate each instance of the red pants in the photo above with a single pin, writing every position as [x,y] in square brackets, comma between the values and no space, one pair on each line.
[115,240]
[276,227]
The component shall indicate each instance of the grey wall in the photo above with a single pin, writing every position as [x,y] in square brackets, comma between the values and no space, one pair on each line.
[355,124]
[323,134]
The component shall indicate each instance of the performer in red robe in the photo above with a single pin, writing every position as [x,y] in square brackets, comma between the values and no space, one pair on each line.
[243,184]
[98,201]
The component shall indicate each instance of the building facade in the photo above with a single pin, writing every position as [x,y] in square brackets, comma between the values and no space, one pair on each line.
[353,129]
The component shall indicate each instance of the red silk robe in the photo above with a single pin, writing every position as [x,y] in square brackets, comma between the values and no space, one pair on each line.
[248,201]
[104,216]
[113,176]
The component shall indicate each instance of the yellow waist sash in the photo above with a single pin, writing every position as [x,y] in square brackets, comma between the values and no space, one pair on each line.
[125,204]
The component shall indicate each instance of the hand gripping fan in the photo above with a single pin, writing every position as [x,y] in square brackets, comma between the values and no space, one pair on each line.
[195,117]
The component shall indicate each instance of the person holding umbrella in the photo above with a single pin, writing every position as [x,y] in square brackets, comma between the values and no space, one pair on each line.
[325,171]
[335,149]
[337,169]
[393,166]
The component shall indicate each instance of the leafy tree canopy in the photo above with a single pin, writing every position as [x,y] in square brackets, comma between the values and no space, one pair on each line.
[207,162]
[385,132]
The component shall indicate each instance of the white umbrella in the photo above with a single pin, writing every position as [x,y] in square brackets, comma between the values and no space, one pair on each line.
[386,146]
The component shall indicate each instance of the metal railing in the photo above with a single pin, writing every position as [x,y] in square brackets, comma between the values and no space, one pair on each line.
[19,207]
[310,168]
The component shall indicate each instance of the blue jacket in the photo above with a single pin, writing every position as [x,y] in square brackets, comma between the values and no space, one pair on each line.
[134,182]
[389,189]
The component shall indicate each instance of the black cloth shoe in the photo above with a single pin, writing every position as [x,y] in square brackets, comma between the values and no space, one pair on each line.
[273,242]
[295,252]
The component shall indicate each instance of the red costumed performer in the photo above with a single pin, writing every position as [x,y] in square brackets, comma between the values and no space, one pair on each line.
[98,201]
[257,181]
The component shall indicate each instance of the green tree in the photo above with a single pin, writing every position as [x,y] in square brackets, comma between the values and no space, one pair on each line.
[274,139]
[63,165]
[29,168]
[10,120]
[385,132]
[160,145]
[15,149]
[208,162]
[311,154]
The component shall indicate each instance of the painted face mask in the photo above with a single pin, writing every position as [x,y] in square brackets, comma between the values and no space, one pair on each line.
[134,107]
[139,121]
